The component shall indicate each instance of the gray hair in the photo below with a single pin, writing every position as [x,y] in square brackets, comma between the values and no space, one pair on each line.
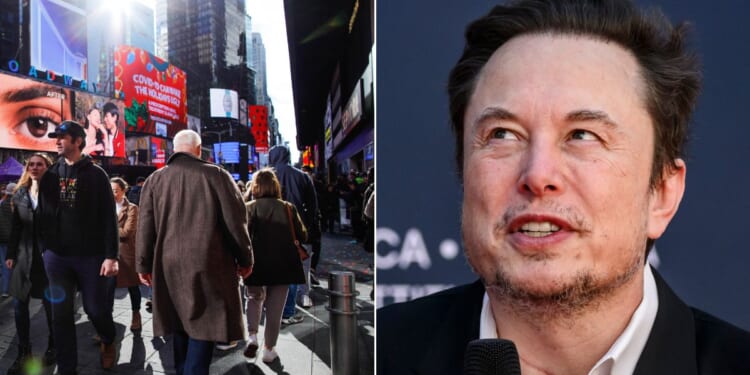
[186,140]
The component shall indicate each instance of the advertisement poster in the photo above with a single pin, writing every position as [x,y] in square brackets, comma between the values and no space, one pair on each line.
[29,110]
[104,122]
[259,126]
[224,103]
[158,152]
[58,40]
[154,91]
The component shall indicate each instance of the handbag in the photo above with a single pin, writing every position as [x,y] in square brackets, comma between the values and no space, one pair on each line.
[300,250]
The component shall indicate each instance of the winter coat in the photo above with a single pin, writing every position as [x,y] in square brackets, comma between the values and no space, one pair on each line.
[192,235]
[277,261]
[127,222]
[76,210]
[296,188]
[25,248]
[6,216]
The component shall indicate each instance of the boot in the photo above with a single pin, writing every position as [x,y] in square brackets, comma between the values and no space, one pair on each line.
[135,324]
[24,353]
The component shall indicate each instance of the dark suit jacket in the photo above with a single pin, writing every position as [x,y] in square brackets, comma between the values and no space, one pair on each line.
[429,336]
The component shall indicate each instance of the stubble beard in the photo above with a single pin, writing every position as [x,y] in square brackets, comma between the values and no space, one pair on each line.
[562,301]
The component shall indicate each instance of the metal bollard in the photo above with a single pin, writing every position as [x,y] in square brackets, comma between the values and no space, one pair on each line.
[343,311]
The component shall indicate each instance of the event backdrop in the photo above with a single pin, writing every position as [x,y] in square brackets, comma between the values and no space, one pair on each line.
[704,253]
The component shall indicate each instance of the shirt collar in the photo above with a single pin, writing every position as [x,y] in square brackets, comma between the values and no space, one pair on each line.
[623,355]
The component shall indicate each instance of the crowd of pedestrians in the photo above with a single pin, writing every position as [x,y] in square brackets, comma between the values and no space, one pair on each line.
[189,232]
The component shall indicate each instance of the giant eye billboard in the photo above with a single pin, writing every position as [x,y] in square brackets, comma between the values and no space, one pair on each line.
[29,110]
[154,92]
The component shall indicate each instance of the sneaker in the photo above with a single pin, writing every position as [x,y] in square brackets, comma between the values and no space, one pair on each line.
[294,319]
[269,355]
[252,347]
[226,345]
[109,354]
[149,306]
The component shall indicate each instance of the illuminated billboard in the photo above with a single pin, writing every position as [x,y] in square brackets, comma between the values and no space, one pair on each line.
[154,91]
[259,126]
[224,103]
[227,152]
[58,37]
[104,122]
[29,110]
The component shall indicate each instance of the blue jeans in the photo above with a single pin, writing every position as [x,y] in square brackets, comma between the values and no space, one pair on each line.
[191,356]
[66,273]
[291,302]
[5,282]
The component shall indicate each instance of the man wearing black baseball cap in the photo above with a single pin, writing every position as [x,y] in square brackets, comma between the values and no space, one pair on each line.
[79,234]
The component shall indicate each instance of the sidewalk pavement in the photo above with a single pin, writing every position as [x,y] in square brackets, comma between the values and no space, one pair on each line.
[303,348]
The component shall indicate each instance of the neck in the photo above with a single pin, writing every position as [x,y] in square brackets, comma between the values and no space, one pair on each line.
[567,343]
[72,159]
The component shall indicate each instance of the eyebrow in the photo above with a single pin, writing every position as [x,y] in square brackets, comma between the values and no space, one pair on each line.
[498,113]
[24,94]
[591,115]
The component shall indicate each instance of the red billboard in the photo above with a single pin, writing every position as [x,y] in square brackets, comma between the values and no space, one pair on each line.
[154,91]
[259,126]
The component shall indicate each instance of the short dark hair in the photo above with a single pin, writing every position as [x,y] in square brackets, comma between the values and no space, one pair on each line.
[670,72]
[112,109]
[119,181]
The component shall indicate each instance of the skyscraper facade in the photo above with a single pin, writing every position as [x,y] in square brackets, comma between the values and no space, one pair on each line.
[259,65]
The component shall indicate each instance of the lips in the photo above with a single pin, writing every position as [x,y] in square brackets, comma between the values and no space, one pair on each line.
[538,225]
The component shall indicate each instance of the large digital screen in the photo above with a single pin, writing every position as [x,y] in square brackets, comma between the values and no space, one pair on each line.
[154,91]
[259,126]
[104,122]
[29,110]
[227,152]
[58,37]
[224,103]
[159,152]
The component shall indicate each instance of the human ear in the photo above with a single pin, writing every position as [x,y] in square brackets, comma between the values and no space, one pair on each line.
[665,198]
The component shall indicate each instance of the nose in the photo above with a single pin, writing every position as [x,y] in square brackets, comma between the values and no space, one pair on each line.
[542,170]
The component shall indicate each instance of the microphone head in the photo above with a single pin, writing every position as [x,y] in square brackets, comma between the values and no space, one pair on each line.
[491,357]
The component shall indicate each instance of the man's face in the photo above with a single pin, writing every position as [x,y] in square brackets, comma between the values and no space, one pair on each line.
[558,148]
[29,111]
[66,146]
[110,121]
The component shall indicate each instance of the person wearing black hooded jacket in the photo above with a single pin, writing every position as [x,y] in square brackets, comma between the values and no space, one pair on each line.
[297,188]
[79,235]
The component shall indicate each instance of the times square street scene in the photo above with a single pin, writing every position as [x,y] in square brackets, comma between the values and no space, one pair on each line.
[187,186]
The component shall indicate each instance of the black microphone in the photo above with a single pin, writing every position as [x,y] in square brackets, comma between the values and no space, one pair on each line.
[491,357]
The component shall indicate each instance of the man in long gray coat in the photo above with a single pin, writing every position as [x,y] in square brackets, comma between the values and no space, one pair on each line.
[192,243]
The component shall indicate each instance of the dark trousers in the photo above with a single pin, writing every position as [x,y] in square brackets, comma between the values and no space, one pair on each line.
[316,254]
[135,297]
[23,321]
[191,356]
[65,273]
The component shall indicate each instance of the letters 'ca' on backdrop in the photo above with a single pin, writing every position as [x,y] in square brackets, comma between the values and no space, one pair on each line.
[704,253]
